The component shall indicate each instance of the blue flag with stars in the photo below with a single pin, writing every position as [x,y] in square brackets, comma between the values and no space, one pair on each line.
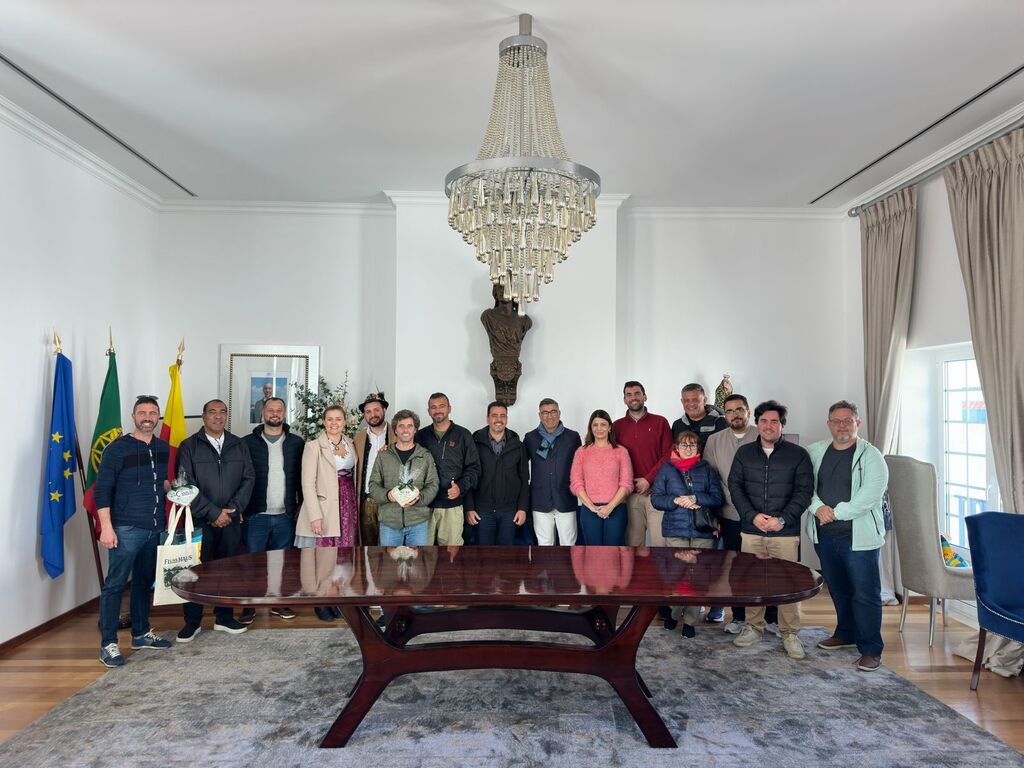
[59,498]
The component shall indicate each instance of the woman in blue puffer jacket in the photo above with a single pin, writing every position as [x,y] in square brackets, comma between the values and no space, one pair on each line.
[686,483]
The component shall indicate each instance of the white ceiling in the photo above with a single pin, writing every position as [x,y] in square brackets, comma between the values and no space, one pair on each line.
[680,102]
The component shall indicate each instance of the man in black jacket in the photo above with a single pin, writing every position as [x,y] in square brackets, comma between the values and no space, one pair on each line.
[458,470]
[500,501]
[771,483]
[551,448]
[218,463]
[269,522]
[698,417]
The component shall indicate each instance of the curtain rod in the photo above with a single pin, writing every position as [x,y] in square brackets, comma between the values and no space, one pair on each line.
[937,168]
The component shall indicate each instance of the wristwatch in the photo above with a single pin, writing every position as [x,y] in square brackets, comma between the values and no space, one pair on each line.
[781,521]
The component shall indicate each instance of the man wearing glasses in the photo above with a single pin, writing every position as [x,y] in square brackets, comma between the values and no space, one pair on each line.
[771,483]
[550,448]
[719,452]
[847,529]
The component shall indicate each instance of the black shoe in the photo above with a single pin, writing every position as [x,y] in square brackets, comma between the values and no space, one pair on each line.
[664,612]
[324,614]
[335,611]
[231,626]
[671,623]
[247,616]
[689,631]
[188,633]
[283,611]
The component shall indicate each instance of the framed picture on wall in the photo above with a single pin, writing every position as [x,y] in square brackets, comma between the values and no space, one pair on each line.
[250,374]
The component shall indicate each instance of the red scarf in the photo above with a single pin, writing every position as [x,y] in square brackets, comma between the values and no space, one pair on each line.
[684,465]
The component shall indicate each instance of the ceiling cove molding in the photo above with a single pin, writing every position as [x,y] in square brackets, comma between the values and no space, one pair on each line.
[993,127]
[606,201]
[243,207]
[35,129]
[749,214]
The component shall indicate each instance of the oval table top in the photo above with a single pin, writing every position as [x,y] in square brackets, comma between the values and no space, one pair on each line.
[482,575]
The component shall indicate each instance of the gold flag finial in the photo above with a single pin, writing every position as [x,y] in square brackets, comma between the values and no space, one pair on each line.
[110,336]
[181,351]
[56,343]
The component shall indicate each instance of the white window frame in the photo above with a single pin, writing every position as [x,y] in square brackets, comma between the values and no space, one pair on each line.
[941,356]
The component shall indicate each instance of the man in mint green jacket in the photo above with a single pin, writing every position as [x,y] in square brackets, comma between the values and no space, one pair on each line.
[845,523]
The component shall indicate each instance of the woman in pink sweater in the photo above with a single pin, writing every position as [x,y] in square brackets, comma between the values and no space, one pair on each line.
[601,478]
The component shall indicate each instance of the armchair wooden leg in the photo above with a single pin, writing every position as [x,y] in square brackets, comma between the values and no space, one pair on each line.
[977,660]
[931,620]
[903,610]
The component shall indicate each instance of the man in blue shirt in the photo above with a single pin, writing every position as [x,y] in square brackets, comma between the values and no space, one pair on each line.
[130,488]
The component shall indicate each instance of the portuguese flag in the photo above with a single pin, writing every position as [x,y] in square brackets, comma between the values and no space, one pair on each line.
[108,429]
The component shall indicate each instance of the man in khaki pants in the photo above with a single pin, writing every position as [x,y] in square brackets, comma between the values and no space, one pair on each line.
[771,483]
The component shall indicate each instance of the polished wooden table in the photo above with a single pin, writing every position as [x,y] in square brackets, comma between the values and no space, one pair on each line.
[481,587]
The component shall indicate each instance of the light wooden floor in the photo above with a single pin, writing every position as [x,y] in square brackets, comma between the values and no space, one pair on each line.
[49,669]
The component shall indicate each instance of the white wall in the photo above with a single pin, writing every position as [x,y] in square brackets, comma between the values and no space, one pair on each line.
[441,289]
[77,255]
[273,275]
[769,298]
[938,313]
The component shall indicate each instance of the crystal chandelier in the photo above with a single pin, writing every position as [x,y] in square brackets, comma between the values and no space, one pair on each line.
[522,202]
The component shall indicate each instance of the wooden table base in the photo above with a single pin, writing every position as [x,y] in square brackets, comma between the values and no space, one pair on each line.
[387,656]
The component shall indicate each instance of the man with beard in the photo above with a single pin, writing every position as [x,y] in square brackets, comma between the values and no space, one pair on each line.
[847,529]
[499,503]
[771,483]
[719,452]
[698,417]
[458,470]
[375,437]
[218,463]
[130,490]
[277,490]
[648,440]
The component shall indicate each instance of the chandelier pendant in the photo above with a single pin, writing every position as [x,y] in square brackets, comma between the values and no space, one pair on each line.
[522,202]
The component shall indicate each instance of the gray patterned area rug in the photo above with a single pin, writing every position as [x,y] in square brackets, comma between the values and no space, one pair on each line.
[265,698]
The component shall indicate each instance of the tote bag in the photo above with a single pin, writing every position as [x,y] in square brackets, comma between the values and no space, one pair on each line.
[175,554]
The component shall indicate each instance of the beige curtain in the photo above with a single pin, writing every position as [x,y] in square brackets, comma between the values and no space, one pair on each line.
[986,200]
[888,247]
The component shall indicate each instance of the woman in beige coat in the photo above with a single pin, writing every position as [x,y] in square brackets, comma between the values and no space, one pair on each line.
[329,513]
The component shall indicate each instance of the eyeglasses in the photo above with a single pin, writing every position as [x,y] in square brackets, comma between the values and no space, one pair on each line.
[842,422]
[734,411]
[687,446]
[549,413]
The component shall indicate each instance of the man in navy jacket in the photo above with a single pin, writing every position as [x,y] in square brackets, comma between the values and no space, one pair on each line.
[550,448]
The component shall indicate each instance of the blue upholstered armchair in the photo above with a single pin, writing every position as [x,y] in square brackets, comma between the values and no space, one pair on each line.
[997,546]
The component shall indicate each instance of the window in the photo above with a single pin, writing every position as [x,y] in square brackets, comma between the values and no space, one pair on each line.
[966,469]
[944,422]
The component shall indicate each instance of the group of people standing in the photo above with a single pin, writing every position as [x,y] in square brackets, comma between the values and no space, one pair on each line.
[711,479]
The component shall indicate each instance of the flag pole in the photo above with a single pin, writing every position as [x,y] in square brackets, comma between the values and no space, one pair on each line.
[81,479]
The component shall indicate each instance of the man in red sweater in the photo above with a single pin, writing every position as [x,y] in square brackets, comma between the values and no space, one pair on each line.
[648,438]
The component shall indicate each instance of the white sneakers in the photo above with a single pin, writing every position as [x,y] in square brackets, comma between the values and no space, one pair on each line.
[794,648]
[734,627]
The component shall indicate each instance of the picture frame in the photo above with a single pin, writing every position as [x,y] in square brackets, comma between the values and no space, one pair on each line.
[249,373]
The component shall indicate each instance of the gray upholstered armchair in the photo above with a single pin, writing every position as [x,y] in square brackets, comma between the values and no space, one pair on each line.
[915,519]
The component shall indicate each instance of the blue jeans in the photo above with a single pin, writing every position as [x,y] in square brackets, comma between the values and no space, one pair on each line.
[496,528]
[856,589]
[265,532]
[411,535]
[610,531]
[134,556]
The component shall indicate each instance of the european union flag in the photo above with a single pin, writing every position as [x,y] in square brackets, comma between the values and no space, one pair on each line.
[59,499]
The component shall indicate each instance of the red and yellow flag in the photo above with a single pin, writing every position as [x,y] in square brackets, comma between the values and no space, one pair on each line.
[173,428]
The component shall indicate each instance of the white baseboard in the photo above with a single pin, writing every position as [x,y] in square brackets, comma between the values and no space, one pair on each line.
[963,611]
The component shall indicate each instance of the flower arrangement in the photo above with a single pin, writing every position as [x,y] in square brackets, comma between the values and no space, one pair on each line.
[319,400]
